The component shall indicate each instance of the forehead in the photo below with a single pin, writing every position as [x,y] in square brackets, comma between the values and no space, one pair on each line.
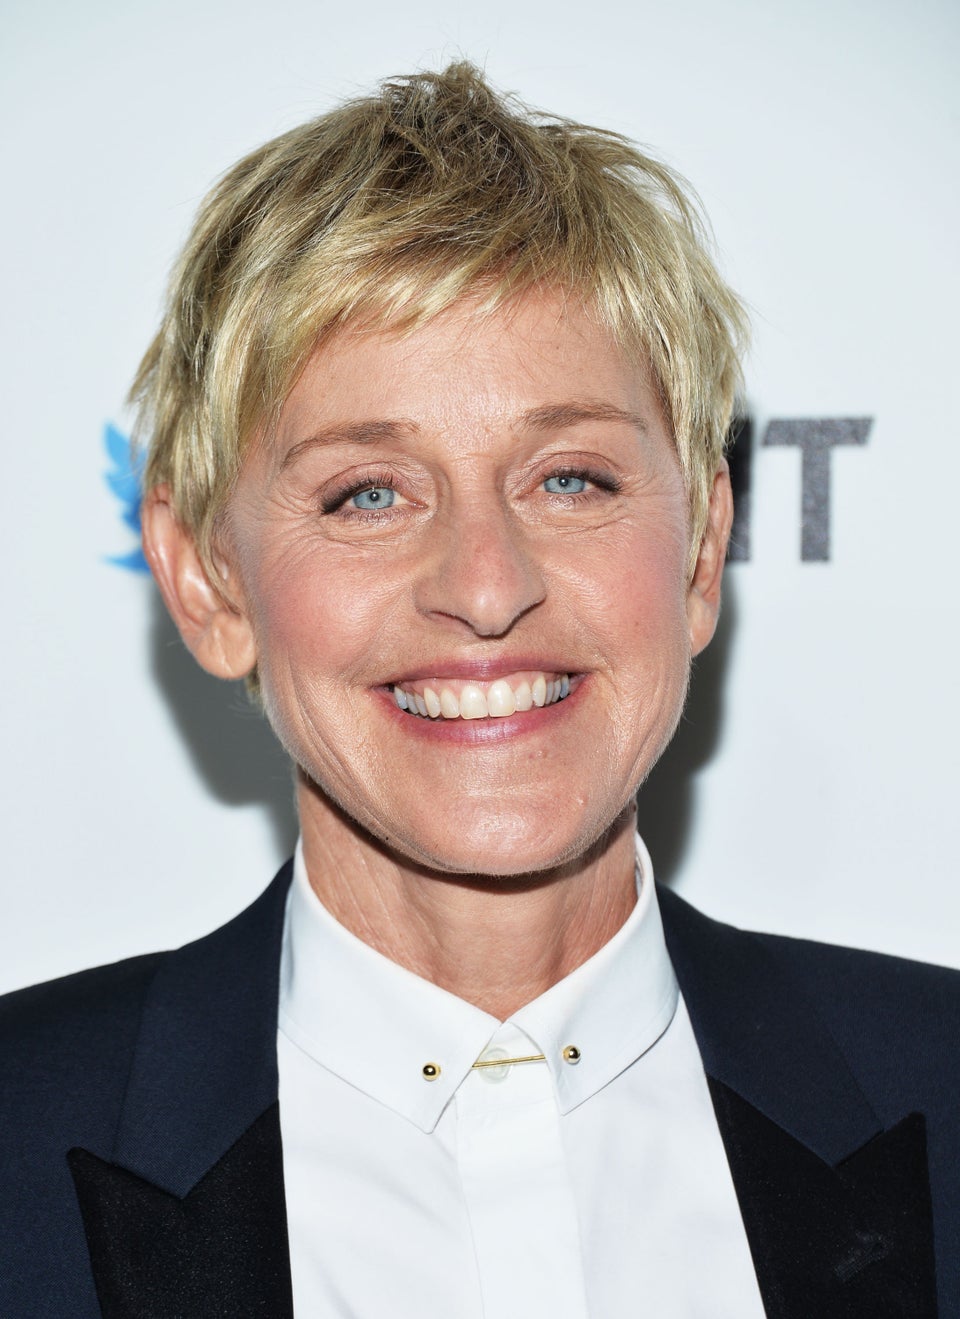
[471,368]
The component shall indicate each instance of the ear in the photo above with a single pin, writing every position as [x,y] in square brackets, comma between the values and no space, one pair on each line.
[703,593]
[215,630]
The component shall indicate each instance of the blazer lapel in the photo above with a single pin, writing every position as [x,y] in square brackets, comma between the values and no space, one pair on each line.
[219,1250]
[186,1214]
[855,1240]
[837,1211]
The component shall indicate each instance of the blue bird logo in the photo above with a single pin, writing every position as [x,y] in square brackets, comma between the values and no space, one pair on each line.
[125,479]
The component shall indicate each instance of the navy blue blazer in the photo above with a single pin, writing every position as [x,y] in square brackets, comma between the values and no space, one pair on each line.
[140,1162]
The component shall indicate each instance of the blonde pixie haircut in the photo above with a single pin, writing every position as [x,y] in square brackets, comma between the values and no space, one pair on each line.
[386,211]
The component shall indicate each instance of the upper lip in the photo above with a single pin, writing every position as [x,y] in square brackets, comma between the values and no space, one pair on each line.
[483,670]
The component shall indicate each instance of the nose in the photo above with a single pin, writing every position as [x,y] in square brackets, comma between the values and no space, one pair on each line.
[482,571]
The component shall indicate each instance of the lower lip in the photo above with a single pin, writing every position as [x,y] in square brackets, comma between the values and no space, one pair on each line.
[489,731]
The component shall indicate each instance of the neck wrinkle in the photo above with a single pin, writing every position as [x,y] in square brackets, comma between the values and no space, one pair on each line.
[496,943]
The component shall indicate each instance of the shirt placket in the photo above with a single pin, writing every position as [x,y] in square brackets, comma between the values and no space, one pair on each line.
[517,1188]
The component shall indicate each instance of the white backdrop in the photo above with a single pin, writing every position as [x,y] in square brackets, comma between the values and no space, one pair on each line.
[812,787]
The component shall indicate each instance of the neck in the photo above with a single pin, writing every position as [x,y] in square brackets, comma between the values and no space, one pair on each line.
[496,942]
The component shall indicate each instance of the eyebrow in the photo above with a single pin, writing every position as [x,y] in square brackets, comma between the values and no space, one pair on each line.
[558,416]
[548,417]
[351,432]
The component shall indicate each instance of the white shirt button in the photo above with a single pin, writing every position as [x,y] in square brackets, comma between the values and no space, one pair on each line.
[494,1074]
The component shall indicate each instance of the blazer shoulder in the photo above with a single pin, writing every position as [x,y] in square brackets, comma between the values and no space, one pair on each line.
[98,1003]
[896,1021]
[65,1045]
[902,993]
[836,975]
[72,1005]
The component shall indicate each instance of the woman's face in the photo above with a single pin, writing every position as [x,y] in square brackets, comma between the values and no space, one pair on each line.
[487,515]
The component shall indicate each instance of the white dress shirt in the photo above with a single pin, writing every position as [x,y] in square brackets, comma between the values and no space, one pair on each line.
[592,1183]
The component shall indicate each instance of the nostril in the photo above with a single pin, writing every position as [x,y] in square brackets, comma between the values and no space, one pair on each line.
[484,571]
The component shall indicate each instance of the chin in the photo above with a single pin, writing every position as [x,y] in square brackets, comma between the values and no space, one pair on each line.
[503,845]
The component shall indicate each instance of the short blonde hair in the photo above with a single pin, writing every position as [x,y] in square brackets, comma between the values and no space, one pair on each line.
[389,209]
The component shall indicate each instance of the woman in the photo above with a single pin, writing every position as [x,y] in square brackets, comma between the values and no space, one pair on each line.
[436,420]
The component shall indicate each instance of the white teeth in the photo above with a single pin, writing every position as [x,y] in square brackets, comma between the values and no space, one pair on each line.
[473,703]
[500,699]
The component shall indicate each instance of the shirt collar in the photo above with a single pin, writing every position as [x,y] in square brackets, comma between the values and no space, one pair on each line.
[612,1008]
[376,1025]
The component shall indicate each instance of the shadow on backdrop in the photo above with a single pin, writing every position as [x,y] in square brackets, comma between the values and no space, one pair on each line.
[230,742]
[666,803]
[241,762]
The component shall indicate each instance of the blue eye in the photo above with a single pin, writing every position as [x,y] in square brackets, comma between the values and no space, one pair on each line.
[565,483]
[377,496]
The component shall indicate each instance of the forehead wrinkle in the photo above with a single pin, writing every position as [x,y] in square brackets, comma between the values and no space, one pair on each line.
[368,431]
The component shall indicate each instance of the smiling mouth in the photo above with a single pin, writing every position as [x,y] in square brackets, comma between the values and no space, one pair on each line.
[452,698]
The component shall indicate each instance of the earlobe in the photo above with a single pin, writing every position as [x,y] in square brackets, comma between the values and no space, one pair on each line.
[214,629]
[703,594]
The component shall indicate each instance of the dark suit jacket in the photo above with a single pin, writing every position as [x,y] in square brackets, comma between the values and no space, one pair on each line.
[141,1166]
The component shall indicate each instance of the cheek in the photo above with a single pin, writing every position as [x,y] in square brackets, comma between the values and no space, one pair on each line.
[320,618]
[656,614]
[636,595]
